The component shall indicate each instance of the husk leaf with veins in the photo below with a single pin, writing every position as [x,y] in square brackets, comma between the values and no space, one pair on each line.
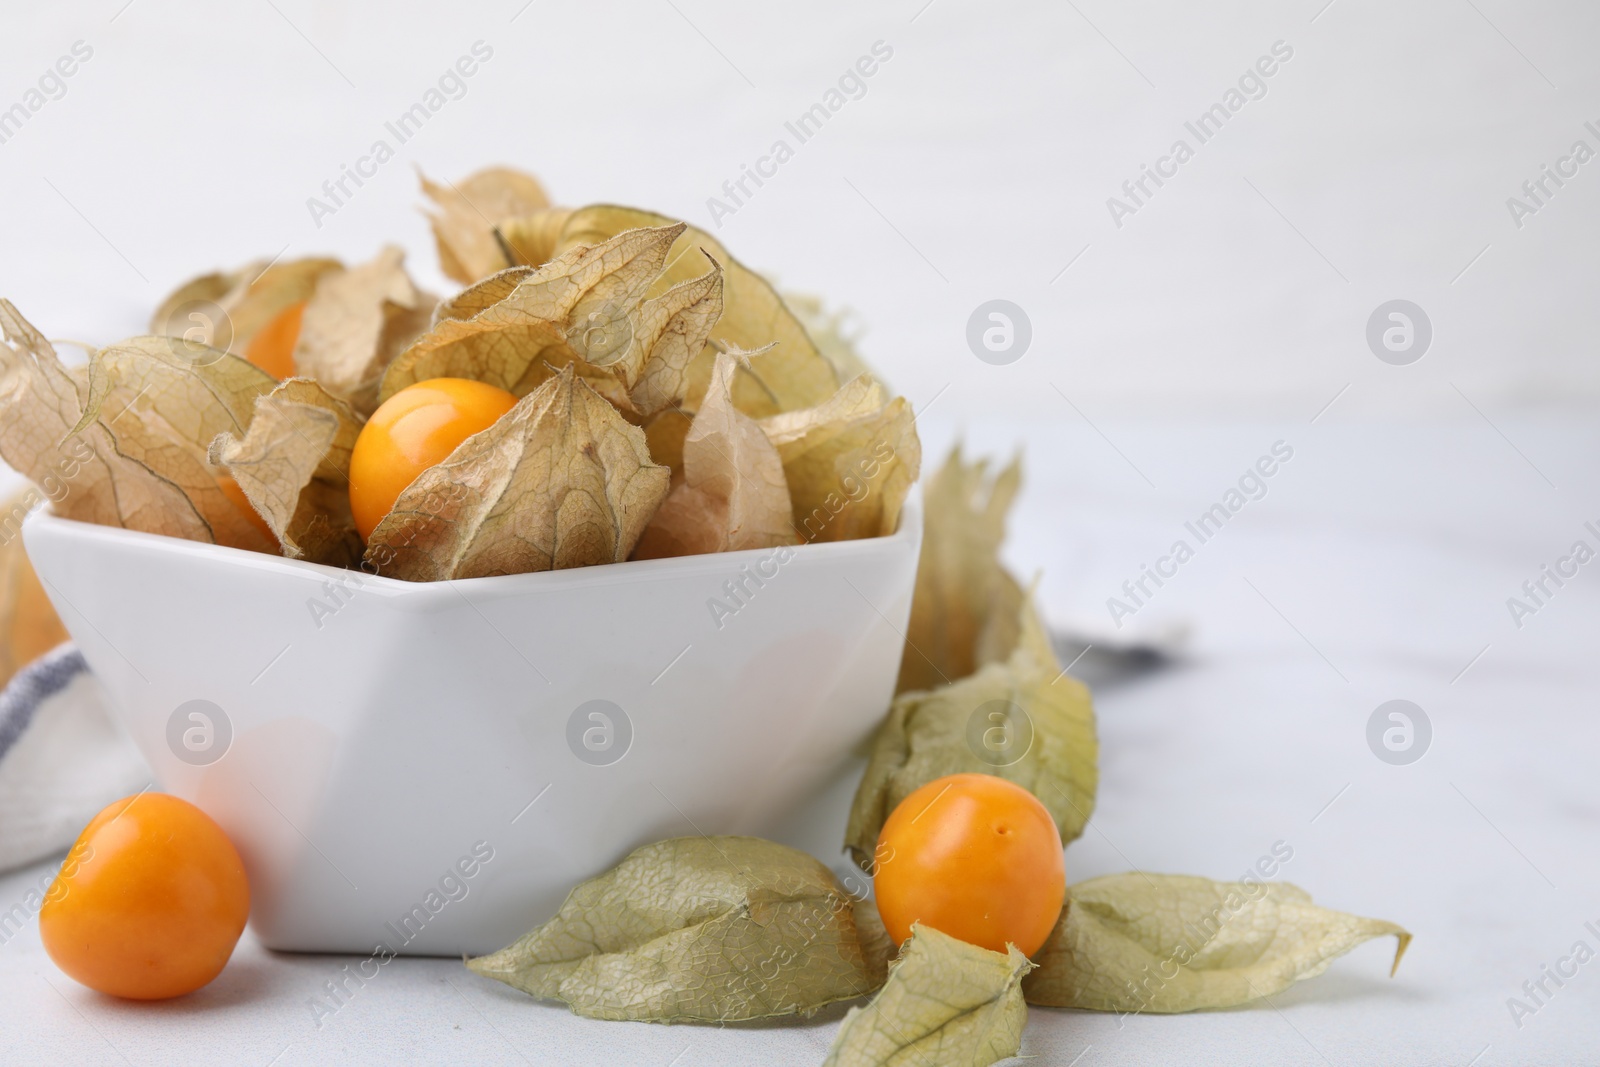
[946,1002]
[967,609]
[668,334]
[164,401]
[1169,943]
[696,929]
[561,480]
[797,375]
[925,737]
[733,495]
[249,298]
[356,322]
[194,394]
[467,212]
[850,462]
[41,403]
[480,296]
[294,467]
[577,309]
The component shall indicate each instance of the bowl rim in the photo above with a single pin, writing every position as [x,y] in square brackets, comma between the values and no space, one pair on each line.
[907,536]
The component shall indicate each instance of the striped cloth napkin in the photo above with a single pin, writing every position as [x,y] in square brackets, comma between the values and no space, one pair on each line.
[62,759]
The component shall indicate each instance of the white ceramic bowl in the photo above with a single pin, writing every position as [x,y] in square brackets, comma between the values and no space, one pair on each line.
[420,766]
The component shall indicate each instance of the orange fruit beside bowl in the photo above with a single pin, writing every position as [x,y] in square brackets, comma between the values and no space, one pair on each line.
[975,857]
[150,901]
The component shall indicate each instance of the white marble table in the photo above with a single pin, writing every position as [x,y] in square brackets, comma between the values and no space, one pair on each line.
[1376,567]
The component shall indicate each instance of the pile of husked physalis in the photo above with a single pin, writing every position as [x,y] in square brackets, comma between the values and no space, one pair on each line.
[611,383]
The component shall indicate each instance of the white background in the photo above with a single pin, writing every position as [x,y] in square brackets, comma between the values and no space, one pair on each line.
[1228,313]
[991,142]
